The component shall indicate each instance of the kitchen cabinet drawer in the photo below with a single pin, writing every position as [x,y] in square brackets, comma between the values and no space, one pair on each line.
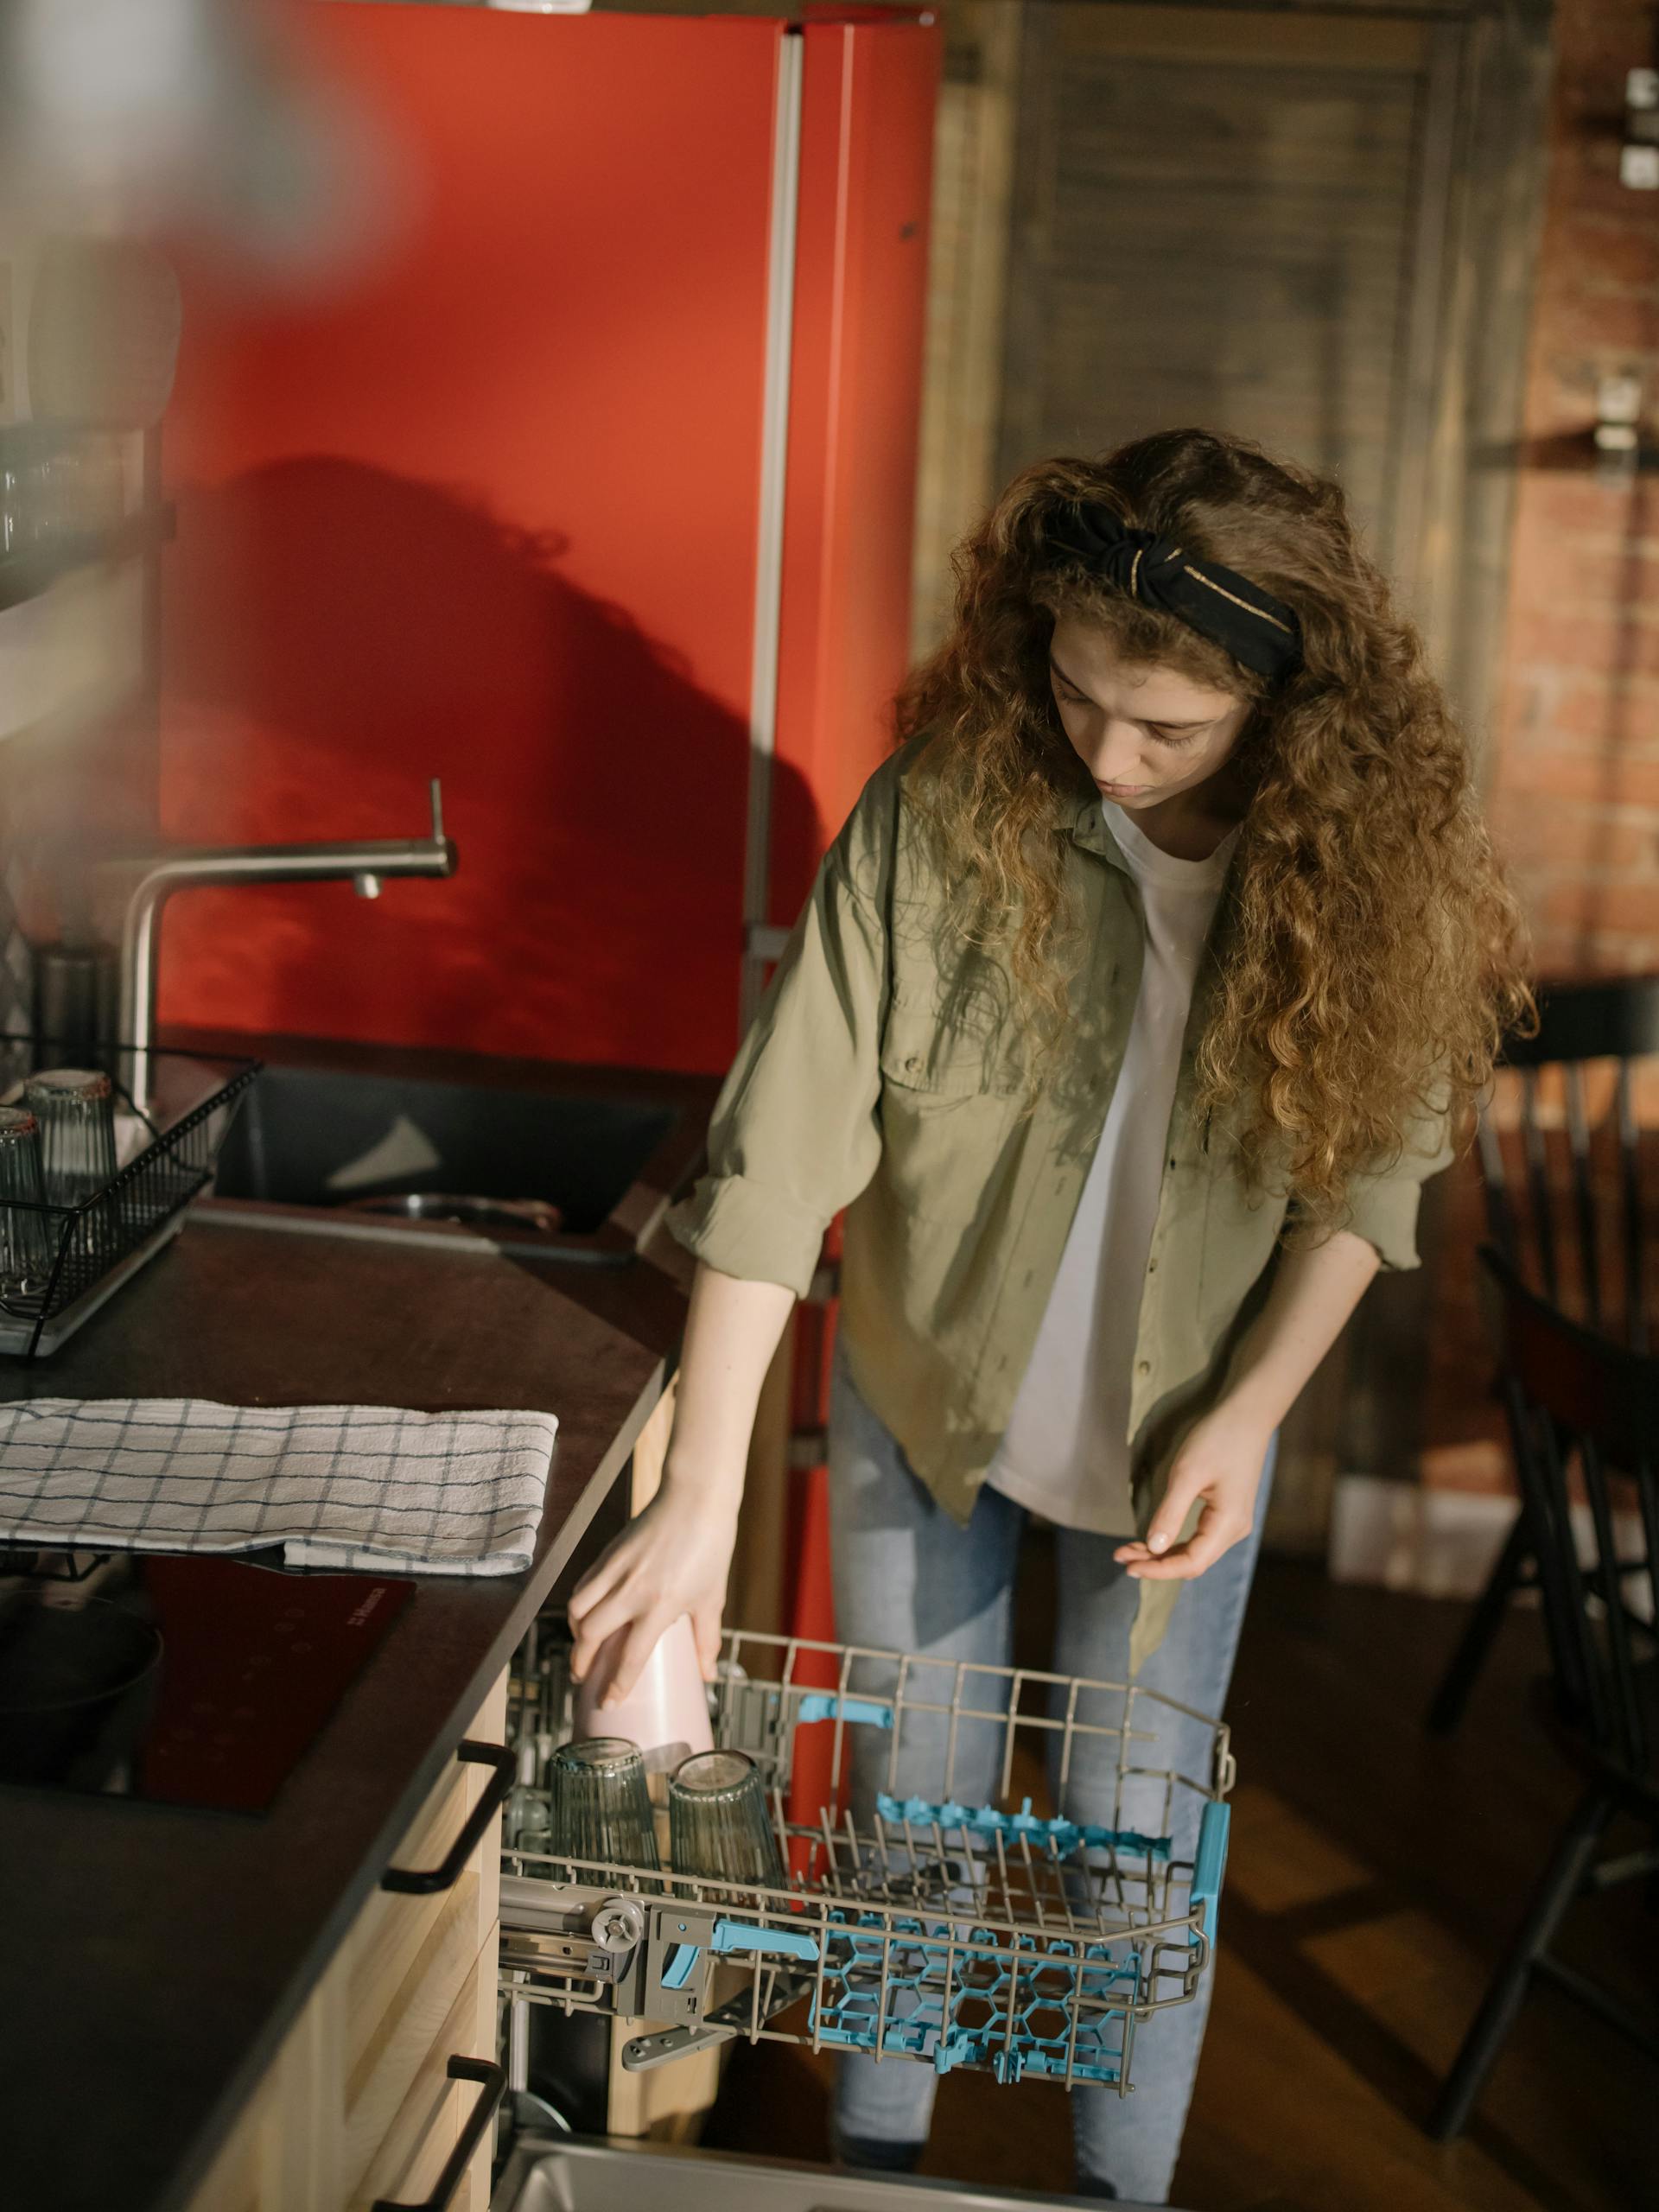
[408,2030]
[344,2094]
[411,2154]
[398,1944]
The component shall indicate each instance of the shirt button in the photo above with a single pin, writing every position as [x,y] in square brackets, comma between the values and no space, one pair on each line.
[1143,1367]
[1172,1160]
[1152,1266]
[913,1064]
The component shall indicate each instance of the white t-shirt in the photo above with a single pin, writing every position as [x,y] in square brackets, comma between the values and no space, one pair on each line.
[1065,1453]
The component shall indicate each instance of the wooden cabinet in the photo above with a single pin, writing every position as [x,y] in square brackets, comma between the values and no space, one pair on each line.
[359,2105]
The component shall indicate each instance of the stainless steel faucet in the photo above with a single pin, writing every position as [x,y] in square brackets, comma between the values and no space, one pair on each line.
[365,862]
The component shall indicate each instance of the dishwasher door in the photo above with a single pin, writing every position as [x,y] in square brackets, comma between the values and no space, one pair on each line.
[582,2174]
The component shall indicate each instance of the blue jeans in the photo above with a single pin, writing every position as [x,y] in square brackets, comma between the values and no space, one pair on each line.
[907,1577]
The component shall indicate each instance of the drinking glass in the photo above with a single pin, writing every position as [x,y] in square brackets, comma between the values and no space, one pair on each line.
[75,1108]
[718,1824]
[25,1237]
[666,1712]
[601,1806]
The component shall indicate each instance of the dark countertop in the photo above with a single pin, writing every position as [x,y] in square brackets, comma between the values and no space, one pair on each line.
[150,1958]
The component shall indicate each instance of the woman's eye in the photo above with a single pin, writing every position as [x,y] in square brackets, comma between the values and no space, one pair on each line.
[1164,736]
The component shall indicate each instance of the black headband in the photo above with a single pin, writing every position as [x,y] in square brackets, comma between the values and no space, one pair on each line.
[1254,626]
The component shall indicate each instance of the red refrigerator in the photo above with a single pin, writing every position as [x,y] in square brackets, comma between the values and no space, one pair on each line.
[589,492]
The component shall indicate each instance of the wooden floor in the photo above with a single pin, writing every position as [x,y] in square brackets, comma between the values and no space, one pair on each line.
[1375,1875]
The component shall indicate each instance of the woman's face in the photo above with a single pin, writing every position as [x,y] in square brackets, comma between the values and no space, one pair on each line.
[1144,733]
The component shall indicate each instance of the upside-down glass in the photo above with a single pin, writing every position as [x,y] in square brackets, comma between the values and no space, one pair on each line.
[718,1823]
[75,1107]
[601,1806]
[25,1235]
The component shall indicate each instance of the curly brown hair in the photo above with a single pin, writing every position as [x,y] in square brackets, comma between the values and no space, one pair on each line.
[1377,955]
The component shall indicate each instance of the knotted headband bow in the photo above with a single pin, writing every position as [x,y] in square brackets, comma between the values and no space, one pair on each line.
[1258,629]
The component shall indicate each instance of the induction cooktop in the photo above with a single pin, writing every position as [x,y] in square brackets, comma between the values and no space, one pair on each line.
[181,1681]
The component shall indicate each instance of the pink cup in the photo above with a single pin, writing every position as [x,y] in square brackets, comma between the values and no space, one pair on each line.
[666,1712]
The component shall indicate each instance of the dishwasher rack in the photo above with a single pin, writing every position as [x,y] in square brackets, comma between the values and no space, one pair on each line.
[930,1913]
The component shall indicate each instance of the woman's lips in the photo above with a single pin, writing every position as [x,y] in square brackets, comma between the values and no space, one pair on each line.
[1121,791]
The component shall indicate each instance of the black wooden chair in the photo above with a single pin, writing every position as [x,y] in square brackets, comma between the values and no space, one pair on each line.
[1584,1419]
[1565,1206]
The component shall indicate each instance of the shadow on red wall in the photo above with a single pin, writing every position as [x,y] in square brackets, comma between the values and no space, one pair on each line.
[335,635]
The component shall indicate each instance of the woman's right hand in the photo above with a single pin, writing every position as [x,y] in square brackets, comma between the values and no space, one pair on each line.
[672,1558]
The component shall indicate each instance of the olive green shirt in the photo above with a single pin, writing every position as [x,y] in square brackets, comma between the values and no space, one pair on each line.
[884,1073]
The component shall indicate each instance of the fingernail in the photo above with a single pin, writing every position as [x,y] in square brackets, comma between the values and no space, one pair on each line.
[1157,1543]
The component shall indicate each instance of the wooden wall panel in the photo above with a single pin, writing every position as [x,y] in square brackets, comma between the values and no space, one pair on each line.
[1218,219]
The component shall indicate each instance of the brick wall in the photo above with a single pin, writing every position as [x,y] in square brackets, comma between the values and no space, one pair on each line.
[1573,776]
[1576,781]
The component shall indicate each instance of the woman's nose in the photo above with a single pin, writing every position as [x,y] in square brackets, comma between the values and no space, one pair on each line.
[1117,751]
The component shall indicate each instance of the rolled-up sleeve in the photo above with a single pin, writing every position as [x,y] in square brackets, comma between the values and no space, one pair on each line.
[1382,1208]
[795,1133]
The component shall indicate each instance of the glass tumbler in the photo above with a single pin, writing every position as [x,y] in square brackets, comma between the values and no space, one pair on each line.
[718,1824]
[25,1236]
[601,1805]
[75,1108]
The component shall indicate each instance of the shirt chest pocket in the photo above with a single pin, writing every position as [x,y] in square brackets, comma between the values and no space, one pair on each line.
[948,1101]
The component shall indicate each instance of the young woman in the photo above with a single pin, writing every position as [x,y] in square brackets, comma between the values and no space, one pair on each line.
[1147,980]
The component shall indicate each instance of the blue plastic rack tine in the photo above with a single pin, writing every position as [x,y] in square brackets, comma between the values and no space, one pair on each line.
[824,1705]
[1209,1863]
[681,1964]
[783,1942]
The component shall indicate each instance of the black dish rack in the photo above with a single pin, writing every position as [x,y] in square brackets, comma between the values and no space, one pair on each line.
[96,1244]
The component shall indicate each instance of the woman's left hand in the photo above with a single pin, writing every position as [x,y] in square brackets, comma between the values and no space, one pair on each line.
[1218,1467]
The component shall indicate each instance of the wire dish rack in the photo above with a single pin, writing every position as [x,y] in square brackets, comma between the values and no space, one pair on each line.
[930,1913]
[95,1245]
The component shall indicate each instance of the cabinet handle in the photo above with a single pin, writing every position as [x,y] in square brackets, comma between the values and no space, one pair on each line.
[493,2080]
[421,1882]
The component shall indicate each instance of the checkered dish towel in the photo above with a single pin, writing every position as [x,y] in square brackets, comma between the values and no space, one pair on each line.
[343,1486]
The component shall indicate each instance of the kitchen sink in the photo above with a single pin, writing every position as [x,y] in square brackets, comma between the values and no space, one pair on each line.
[560,1162]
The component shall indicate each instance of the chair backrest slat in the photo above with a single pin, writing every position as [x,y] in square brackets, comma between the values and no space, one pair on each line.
[1495,1185]
[1584,1195]
[1580,1404]
[1537,1159]
[1552,1213]
[1629,1192]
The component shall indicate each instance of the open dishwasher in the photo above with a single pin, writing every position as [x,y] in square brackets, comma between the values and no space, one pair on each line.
[981,1868]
